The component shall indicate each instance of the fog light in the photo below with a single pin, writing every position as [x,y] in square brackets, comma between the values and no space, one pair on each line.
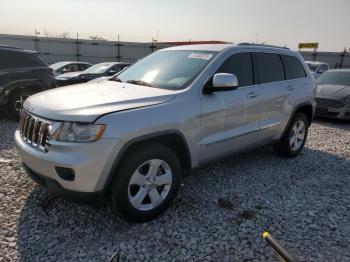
[65,173]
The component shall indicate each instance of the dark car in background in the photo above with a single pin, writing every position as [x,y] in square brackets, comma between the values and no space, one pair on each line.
[68,67]
[22,73]
[93,72]
[333,94]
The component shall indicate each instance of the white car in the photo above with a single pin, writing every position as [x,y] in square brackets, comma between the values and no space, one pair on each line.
[317,68]
[68,67]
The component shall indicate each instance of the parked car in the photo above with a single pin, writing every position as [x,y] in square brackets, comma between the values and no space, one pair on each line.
[137,136]
[333,94]
[317,68]
[22,73]
[68,67]
[95,71]
[105,78]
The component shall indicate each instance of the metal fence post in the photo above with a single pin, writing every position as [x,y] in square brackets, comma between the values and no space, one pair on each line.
[36,40]
[77,54]
[342,56]
[118,45]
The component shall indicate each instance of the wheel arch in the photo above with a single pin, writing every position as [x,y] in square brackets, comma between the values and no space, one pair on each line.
[305,108]
[36,86]
[173,139]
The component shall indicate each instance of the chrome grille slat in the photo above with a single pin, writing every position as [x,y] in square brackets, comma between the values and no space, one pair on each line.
[34,131]
[41,135]
[29,129]
[26,118]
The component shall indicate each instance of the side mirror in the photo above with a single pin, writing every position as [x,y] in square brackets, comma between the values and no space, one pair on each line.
[64,70]
[222,82]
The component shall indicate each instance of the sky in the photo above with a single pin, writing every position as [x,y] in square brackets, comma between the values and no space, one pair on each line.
[279,22]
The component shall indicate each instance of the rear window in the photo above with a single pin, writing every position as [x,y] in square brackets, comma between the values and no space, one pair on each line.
[293,67]
[13,59]
[270,68]
[335,78]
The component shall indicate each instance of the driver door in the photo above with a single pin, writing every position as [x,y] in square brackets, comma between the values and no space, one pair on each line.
[230,119]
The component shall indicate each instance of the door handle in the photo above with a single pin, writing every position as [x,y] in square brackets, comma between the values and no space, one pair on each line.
[290,88]
[252,95]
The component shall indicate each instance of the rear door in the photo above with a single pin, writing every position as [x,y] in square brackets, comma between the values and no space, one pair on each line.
[291,91]
[230,119]
[272,80]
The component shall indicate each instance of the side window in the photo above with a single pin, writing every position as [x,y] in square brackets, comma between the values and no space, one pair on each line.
[64,69]
[73,68]
[3,60]
[13,59]
[293,67]
[270,67]
[82,67]
[241,66]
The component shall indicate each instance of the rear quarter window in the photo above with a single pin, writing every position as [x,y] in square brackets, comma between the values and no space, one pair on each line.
[270,67]
[293,67]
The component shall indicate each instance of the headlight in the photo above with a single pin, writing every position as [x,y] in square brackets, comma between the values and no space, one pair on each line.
[78,132]
[347,100]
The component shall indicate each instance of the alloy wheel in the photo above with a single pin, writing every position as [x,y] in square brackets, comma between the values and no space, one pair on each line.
[297,135]
[150,184]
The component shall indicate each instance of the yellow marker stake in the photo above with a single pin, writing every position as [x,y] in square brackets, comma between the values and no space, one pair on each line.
[278,247]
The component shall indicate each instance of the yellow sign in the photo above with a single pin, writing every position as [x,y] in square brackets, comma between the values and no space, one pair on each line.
[308,45]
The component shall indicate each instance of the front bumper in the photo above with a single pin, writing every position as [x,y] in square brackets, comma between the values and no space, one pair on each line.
[56,189]
[91,162]
[333,108]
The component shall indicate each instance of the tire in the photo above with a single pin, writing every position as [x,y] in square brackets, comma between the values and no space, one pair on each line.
[16,100]
[135,197]
[299,125]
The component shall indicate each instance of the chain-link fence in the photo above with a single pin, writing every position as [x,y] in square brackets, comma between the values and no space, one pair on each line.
[94,51]
[334,59]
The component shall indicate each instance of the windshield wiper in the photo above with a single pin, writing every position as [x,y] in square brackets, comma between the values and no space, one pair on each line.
[139,82]
[116,79]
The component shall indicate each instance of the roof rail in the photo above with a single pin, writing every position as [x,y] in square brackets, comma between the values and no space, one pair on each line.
[275,46]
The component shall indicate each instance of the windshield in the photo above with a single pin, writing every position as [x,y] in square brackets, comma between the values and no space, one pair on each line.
[58,65]
[172,69]
[335,78]
[312,67]
[98,68]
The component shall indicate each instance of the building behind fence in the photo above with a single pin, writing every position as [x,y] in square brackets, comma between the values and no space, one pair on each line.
[94,51]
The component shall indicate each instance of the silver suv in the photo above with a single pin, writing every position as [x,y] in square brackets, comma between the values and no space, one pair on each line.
[136,136]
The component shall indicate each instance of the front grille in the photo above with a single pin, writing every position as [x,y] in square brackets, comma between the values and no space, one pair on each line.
[34,131]
[328,103]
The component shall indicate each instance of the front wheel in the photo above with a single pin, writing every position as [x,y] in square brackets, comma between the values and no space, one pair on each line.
[146,182]
[294,138]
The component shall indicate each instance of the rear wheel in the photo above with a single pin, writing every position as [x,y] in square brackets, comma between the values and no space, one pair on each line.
[16,101]
[293,140]
[146,183]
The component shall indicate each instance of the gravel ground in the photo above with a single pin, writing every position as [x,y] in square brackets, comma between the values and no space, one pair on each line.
[219,215]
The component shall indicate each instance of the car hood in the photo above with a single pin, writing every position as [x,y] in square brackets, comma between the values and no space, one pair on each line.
[338,91]
[68,75]
[86,102]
